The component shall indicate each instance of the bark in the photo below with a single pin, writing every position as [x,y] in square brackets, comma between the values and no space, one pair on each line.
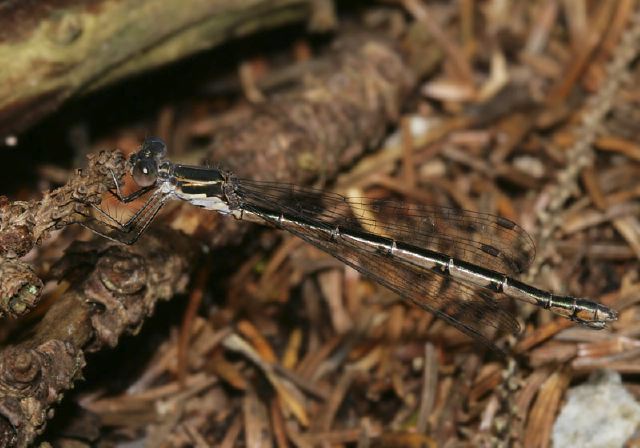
[25,224]
[114,288]
[341,108]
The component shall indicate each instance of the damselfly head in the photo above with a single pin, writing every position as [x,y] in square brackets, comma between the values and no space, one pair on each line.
[144,163]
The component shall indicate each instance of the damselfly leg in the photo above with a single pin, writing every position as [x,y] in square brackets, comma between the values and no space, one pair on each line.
[124,200]
[127,232]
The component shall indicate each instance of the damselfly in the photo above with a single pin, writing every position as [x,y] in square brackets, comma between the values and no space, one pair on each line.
[457,264]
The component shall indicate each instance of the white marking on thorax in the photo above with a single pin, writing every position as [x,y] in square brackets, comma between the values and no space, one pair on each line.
[212,203]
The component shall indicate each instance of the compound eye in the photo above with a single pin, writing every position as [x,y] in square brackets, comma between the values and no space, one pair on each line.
[156,146]
[145,173]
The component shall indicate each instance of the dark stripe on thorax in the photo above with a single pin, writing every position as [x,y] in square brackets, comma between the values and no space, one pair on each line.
[188,173]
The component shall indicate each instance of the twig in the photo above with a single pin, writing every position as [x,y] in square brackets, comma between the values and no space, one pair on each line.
[114,288]
[20,287]
[23,225]
[309,133]
[186,330]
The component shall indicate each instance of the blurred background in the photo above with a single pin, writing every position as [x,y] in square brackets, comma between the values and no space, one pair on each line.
[526,110]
